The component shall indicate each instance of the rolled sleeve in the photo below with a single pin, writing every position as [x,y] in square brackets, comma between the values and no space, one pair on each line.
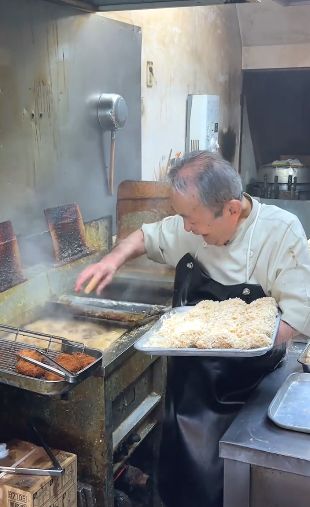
[291,286]
[151,234]
[167,241]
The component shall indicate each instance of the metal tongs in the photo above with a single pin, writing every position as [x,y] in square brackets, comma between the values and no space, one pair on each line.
[67,375]
[56,471]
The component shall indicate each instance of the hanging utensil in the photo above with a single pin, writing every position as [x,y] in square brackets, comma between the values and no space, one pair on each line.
[112,115]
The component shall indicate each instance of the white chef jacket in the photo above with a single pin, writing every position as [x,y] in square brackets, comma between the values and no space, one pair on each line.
[269,248]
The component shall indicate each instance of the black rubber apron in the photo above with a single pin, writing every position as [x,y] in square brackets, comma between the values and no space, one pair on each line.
[204,394]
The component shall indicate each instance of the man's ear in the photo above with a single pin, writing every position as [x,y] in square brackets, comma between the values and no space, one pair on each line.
[234,207]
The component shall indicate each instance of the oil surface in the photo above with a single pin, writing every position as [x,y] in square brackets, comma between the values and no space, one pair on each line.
[92,334]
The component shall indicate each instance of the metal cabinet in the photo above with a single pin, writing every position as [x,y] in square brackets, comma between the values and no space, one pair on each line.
[265,465]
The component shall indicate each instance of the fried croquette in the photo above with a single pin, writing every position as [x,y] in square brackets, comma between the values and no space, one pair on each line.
[68,361]
[25,368]
[72,362]
[84,359]
[48,375]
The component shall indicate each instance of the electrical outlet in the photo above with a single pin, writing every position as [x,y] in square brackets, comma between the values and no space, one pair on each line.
[149,74]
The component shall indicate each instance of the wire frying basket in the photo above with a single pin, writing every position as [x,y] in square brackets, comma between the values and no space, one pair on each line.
[13,340]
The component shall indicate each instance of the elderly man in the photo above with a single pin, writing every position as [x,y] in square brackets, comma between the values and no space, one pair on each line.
[224,244]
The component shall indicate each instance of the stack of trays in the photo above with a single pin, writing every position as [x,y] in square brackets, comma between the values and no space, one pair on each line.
[290,408]
[304,359]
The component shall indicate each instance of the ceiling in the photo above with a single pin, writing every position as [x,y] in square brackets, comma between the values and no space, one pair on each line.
[270,23]
[115,5]
[262,23]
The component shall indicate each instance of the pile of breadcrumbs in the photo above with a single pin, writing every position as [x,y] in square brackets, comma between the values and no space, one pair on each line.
[219,325]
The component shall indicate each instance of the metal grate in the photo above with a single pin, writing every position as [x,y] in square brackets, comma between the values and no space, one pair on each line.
[13,340]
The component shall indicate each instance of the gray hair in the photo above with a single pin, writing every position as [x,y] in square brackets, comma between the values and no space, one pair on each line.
[214,179]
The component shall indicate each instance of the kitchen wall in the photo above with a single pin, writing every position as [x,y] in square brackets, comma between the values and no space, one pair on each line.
[274,36]
[54,63]
[248,164]
[194,51]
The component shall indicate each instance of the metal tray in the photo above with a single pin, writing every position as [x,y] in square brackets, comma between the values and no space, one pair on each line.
[12,343]
[290,408]
[127,312]
[142,343]
[304,359]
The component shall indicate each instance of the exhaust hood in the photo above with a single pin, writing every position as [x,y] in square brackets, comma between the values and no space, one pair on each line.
[290,3]
[122,5]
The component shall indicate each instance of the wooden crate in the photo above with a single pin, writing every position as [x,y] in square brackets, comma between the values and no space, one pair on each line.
[36,491]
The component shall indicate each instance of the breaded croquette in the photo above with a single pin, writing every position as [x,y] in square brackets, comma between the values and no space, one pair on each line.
[48,375]
[25,368]
[84,359]
[68,361]
[72,362]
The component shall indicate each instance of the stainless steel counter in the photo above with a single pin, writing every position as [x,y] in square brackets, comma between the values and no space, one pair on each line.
[265,465]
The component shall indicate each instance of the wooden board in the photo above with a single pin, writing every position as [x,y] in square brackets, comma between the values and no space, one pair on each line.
[141,202]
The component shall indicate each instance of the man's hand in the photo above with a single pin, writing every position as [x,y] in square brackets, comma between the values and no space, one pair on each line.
[286,333]
[101,274]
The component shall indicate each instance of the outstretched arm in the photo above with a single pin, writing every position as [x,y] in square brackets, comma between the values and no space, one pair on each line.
[101,274]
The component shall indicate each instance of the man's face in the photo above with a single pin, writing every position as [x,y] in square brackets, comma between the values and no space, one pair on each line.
[200,219]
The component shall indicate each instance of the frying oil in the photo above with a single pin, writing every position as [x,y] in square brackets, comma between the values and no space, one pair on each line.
[99,335]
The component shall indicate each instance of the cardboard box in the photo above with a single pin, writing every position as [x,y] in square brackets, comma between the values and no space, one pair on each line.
[38,491]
